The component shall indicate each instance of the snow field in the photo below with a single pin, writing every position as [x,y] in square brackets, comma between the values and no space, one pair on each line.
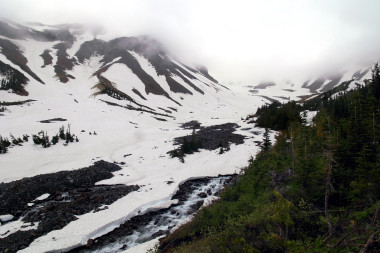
[120,132]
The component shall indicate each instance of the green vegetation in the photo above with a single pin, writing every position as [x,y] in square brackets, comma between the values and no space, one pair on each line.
[187,147]
[4,144]
[277,116]
[315,190]
[43,139]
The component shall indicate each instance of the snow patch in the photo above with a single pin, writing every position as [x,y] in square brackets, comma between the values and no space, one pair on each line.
[6,217]
[308,116]
[12,227]
[42,197]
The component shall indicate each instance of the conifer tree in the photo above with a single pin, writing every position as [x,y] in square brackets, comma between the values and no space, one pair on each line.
[55,139]
[267,143]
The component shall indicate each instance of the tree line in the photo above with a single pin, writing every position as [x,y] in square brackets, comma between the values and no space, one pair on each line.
[41,138]
[316,189]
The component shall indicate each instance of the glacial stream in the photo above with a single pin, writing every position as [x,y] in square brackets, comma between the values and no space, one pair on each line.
[190,198]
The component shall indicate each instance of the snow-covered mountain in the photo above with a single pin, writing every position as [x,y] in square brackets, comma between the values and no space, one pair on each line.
[125,99]
[127,68]
[300,88]
[134,69]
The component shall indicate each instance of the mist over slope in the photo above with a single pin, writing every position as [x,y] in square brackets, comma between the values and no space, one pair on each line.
[126,100]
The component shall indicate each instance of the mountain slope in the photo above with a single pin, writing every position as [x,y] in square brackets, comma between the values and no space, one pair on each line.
[299,89]
[65,48]
[125,99]
[314,190]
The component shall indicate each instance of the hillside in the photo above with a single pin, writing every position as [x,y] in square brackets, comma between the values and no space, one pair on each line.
[70,102]
[101,136]
[305,88]
[315,190]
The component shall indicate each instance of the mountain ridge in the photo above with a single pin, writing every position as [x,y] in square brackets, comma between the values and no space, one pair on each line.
[121,100]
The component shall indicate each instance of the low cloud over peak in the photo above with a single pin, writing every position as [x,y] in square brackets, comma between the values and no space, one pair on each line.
[237,40]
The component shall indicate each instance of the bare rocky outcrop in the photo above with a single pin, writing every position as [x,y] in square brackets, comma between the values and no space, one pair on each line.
[14,54]
[48,59]
[12,79]
[71,193]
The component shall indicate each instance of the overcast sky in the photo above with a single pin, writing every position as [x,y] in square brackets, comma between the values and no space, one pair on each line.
[236,39]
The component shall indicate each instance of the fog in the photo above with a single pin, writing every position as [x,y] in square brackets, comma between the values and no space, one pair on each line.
[241,40]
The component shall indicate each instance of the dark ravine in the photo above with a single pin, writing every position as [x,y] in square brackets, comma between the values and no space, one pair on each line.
[139,229]
[71,193]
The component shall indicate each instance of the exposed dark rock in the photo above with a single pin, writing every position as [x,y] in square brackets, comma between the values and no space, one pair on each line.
[194,124]
[165,110]
[213,137]
[138,93]
[202,195]
[48,59]
[282,97]
[175,86]
[13,53]
[314,86]
[71,193]
[137,109]
[63,62]
[289,90]
[197,205]
[359,74]
[90,48]
[268,98]
[264,85]
[26,190]
[204,72]
[8,31]
[17,102]
[159,119]
[14,80]
[150,49]
[118,48]
[334,81]
[23,32]
[52,120]
[137,222]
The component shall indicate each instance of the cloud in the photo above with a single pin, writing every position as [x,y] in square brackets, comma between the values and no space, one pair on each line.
[237,40]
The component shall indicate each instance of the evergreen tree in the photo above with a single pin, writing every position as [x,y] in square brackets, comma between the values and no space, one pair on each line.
[267,143]
[55,139]
[62,133]
[185,148]
[25,137]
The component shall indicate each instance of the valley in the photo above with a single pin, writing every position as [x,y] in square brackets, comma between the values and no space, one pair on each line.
[126,100]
